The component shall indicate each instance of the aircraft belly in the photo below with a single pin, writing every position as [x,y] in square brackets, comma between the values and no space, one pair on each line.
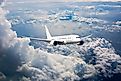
[72,41]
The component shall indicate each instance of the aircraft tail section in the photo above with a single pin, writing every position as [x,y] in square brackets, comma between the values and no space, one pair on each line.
[47,33]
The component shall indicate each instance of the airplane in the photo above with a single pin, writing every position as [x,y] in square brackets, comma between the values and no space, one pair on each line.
[61,40]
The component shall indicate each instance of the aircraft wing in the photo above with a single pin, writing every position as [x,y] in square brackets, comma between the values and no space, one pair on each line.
[38,39]
[86,37]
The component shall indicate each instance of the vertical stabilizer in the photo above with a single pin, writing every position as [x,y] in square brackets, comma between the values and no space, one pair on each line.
[47,33]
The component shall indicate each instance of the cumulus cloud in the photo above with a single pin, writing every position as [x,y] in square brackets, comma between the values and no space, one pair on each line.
[2,76]
[20,60]
[16,52]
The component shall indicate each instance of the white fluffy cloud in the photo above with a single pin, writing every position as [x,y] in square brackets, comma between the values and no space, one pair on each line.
[18,52]
[94,58]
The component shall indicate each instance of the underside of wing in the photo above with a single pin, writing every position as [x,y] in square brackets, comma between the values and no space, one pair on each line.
[39,39]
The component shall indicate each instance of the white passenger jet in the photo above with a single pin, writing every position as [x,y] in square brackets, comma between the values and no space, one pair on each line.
[61,40]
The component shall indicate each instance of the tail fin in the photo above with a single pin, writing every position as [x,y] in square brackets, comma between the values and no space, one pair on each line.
[47,33]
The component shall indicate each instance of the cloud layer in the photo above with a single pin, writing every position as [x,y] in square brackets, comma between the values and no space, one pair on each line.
[20,61]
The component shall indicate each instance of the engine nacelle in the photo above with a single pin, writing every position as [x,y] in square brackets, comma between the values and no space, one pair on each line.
[56,43]
[81,42]
[53,43]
